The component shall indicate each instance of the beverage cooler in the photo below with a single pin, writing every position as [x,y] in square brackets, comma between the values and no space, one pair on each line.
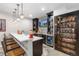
[49,40]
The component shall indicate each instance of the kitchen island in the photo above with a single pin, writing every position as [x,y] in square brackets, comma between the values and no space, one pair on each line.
[32,46]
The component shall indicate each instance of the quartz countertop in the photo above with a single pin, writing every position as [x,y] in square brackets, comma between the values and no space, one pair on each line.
[23,37]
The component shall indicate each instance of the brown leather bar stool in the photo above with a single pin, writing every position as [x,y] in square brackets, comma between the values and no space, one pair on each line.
[11,47]
[10,43]
[7,37]
[8,40]
[12,50]
[16,52]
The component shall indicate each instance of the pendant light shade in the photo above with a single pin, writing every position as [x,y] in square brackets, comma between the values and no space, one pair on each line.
[18,18]
[22,15]
[18,12]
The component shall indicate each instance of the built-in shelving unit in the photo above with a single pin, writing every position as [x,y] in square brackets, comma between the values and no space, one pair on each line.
[67,33]
[50,23]
[35,25]
[49,38]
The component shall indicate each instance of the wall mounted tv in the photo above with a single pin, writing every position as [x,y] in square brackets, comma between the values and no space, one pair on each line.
[43,22]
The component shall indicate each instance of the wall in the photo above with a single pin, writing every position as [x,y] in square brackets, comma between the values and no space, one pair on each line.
[65,10]
[12,25]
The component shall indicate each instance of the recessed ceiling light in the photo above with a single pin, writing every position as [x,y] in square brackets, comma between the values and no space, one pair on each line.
[43,9]
[18,19]
[30,15]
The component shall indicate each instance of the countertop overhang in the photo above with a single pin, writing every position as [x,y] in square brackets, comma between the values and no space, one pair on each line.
[23,37]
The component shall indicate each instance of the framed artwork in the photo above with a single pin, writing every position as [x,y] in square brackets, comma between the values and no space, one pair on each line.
[2,25]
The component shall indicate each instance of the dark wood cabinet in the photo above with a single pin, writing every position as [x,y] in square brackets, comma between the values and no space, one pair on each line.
[43,36]
[67,33]
[35,25]
[38,48]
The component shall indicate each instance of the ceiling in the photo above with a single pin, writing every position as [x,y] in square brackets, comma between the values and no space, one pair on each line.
[35,8]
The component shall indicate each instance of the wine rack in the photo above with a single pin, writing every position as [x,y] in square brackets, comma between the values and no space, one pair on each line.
[66,35]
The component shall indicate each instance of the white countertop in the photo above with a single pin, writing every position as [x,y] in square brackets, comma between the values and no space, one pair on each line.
[25,42]
[23,37]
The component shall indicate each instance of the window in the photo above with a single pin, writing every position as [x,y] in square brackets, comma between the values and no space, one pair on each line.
[2,25]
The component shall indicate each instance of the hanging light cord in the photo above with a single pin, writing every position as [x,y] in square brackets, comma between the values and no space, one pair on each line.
[17,10]
[21,8]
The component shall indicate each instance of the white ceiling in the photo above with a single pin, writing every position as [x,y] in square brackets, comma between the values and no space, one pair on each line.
[35,8]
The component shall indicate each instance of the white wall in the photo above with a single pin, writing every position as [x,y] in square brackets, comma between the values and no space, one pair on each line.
[65,10]
[12,26]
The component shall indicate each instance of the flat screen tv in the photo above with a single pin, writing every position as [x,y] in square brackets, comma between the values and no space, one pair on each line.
[43,22]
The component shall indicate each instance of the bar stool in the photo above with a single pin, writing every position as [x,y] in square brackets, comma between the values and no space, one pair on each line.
[12,50]
[16,52]
[11,47]
[7,37]
[10,43]
[8,40]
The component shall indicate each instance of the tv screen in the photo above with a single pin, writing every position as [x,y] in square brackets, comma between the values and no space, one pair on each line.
[43,22]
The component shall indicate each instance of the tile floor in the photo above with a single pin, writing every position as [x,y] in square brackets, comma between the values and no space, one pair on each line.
[47,51]
[1,52]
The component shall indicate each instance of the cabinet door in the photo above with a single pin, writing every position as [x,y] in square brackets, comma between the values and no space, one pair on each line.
[37,48]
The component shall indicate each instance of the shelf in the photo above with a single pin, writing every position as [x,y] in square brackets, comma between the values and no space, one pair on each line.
[35,24]
[68,51]
[65,22]
[50,25]
[68,45]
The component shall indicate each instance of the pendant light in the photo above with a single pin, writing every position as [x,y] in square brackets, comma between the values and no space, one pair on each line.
[22,15]
[17,13]
[14,14]
[18,18]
